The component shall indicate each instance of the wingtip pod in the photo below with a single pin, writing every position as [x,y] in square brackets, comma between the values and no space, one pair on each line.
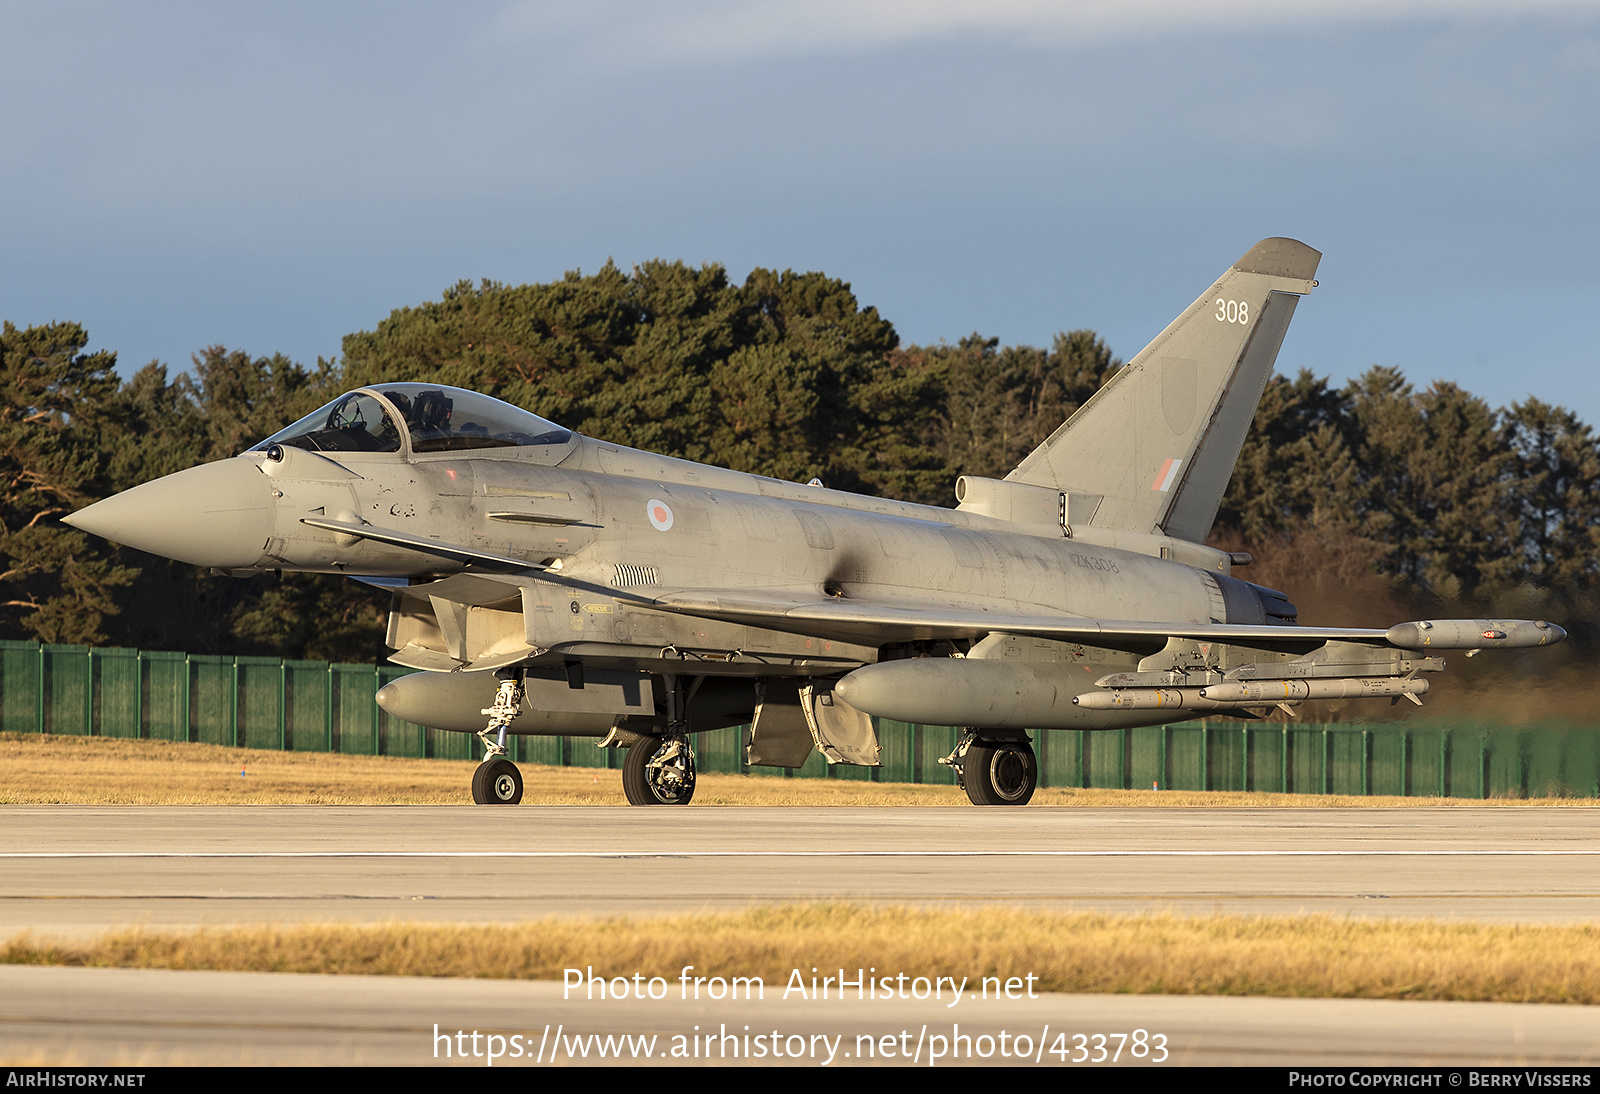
[1281,257]
[1474,634]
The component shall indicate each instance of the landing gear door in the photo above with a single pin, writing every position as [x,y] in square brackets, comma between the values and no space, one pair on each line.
[780,736]
[844,735]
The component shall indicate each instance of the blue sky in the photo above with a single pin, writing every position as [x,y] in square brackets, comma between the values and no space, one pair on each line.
[273,177]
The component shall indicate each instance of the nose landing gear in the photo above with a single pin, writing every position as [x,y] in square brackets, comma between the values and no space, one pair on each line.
[497,780]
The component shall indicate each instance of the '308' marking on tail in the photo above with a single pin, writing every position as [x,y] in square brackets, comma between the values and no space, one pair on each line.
[1233,311]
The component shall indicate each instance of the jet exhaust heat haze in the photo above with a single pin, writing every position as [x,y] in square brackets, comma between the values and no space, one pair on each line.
[582,588]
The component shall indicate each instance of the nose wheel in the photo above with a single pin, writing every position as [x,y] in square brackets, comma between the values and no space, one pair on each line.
[659,771]
[497,782]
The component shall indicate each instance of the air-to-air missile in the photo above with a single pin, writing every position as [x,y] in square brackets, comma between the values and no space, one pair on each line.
[557,584]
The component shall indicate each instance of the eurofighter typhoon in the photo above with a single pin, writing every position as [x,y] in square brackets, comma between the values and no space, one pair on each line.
[558,584]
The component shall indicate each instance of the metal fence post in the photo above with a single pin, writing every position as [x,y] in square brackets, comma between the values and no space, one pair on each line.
[377,715]
[1366,761]
[283,706]
[1444,762]
[327,710]
[88,696]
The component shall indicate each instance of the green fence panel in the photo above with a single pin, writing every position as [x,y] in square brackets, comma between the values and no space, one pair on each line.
[897,751]
[69,704]
[1579,775]
[720,750]
[21,687]
[1185,757]
[1426,773]
[1305,759]
[1265,755]
[308,706]
[534,750]
[932,744]
[118,688]
[1147,757]
[213,699]
[1471,767]
[1346,761]
[263,719]
[583,751]
[1057,754]
[1104,758]
[355,721]
[1388,749]
[166,695]
[1504,763]
[1225,756]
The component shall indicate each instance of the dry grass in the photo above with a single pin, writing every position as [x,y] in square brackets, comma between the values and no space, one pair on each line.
[1308,956]
[37,769]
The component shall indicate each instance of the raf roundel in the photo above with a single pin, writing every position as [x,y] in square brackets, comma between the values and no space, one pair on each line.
[660,514]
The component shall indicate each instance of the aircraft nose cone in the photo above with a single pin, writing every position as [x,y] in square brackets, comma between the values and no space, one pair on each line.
[218,514]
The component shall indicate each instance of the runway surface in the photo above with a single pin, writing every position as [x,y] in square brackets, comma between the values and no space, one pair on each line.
[70,870]
[134,1017]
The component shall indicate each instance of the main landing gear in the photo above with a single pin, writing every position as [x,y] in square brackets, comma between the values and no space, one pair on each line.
[660,770]
[497,780]
[995,772]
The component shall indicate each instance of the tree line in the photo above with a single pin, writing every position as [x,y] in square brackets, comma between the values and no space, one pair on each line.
[1357,497]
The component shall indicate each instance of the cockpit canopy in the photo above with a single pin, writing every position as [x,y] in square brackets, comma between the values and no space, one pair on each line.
[431,417]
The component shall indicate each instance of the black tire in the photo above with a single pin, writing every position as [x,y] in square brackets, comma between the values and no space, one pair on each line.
[497,782]
[669,784]
[1000,774]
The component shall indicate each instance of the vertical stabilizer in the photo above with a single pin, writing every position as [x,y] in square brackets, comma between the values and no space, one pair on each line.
[1157,443]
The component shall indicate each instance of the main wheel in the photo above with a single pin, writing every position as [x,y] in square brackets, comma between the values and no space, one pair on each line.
[497,782]
[1000,774]
[658,771]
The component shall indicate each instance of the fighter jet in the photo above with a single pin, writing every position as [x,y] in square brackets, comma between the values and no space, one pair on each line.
[582,588]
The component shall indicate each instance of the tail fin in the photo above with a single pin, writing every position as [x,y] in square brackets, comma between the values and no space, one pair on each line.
[1154,449]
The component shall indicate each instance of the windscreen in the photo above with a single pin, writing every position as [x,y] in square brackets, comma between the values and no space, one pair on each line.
[351,423]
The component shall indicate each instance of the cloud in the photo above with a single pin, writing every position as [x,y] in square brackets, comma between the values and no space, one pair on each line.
[750,29]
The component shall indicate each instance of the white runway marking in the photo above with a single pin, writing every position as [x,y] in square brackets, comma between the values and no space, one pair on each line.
[1373,853]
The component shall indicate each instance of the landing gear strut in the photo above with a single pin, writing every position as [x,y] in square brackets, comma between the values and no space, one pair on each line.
[497,780]
[995,772]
